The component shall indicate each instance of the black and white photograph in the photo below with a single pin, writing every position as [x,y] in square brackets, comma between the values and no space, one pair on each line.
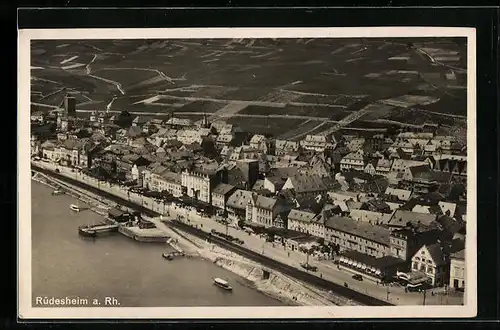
[235,173]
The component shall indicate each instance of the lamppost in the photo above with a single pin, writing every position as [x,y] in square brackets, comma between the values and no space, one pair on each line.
[387,298]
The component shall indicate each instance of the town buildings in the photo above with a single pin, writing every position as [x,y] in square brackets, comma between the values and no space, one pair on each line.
[433,262]
[306,221]
[200,181]
[457,270]
[305,185]
[318,143]
[354,160]
[265,210]
[359,236]
[385,202]
[161,179]
[221,194]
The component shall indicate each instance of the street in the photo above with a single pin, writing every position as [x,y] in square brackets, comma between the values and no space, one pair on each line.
[326,269]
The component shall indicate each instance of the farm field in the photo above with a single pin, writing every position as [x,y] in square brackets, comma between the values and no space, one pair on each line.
[363,124]
[201,106]
[272,126]
[305,128]
[303,75]
[291,110]
[450,105]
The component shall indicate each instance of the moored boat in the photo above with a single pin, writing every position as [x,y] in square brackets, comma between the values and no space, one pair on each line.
[57,192]
[87,231]
[74,207]
[222,284]
[167,256]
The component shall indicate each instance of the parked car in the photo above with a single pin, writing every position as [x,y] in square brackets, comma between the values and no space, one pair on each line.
[357,277]
[414,288]
[307,266]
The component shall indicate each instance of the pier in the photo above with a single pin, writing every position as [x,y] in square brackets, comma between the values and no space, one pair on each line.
[154,217]
[150,235]
[94,230]
[172,255]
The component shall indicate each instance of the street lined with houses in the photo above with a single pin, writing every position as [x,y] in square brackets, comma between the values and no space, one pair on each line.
[326,269]
[342,164]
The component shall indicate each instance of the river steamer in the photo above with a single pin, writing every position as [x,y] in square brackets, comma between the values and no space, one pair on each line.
[222,284]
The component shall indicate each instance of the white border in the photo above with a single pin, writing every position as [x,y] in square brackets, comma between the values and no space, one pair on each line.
[26,311]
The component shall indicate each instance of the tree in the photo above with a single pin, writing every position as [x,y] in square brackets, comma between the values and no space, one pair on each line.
[83,133]
[124,119]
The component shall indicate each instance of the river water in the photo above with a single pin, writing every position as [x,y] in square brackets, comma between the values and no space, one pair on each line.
[135,274]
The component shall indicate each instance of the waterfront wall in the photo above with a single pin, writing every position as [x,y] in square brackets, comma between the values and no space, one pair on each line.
[276,286]
[336,292]
[82,196]
[142,238]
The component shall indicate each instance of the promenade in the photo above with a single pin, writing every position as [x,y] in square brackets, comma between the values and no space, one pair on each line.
[326,269]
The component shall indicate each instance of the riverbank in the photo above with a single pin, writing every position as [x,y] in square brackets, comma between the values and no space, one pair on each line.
[101,206]
[64,263]
[95,203]
[148,235]
[277,286]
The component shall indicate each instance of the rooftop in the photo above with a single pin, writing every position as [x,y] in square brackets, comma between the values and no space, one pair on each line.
[403,217]
[239,199]
[459,255]
[299,215]
[303,183]
[266,203]
[361,229]
[222,189]
[437,253]
[171,176]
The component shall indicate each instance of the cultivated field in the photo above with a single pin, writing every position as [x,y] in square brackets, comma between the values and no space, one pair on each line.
[313,78]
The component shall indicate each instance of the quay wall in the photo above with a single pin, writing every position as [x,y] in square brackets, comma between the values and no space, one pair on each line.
[276,286]
[279,267]
[140,238]
[287,270]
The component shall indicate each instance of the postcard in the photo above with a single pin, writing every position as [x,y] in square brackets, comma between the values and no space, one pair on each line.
[244,173]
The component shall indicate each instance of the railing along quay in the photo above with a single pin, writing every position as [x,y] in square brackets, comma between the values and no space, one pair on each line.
[283,268]
[268,262]
[100,192]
